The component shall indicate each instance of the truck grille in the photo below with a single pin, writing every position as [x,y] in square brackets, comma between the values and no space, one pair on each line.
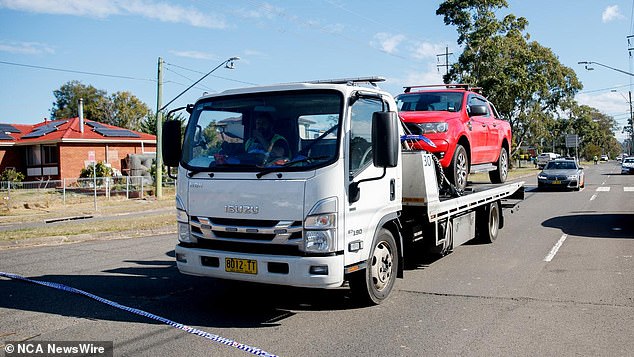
[246,230]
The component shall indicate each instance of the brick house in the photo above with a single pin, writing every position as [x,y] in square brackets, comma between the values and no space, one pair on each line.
[61,148]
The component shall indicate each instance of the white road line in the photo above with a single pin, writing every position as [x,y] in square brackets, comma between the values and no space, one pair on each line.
[556,247]
[593,197]
[628,189]
[603,189]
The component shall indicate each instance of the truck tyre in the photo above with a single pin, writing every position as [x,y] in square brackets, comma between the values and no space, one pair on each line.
[458,170]
[488,223]
[374,284]
[501,171]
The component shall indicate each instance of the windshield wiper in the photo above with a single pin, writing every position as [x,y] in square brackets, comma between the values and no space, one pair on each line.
[268,170]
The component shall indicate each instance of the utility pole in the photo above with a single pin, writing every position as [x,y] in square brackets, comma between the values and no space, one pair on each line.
[631,149]
[158,182]
[446,55]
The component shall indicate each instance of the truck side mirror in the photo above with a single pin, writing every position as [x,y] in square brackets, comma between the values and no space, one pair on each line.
[385,139]
[171,142]
[477,110]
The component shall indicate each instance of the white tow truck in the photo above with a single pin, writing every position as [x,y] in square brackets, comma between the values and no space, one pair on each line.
[341,198]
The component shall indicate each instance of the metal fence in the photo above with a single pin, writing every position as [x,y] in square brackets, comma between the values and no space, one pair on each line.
[45,193]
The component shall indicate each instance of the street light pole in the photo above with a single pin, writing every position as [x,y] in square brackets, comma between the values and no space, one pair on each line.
[588,63]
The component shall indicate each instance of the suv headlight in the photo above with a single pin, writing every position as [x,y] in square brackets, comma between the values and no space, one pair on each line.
[428,128]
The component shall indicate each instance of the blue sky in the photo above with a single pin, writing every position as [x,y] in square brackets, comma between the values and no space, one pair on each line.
[119,42]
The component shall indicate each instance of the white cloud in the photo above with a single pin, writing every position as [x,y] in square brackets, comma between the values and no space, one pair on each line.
[26,48]
[96,8]
[195,55]
[610,103]
[388,42]
[423,50]
[161,11]
[611,13]
[613,104]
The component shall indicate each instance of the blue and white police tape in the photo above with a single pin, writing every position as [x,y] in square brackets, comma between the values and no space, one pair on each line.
[207,335]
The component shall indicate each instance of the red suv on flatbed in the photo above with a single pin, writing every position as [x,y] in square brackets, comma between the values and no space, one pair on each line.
[465,127]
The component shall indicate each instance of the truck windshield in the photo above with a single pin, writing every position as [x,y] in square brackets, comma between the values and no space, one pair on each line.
[430,101]
[292,131]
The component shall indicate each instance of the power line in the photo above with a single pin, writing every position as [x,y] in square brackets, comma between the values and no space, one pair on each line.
[78,72]
[191,80]
[212,75]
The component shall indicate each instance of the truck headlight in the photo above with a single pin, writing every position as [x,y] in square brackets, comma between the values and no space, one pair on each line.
[184,234]
[319,241]
[320,232]
[428,128]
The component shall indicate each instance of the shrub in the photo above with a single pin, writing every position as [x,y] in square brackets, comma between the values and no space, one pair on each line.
[11,175]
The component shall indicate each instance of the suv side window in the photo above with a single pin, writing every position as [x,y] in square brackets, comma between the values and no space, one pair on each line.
[477,100]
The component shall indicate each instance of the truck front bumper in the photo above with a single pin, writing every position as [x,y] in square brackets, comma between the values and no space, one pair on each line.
[305,271]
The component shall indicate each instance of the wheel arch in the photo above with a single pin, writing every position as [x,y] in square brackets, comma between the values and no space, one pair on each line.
[464,141]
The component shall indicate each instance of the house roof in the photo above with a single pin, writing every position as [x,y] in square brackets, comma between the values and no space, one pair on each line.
[68,130]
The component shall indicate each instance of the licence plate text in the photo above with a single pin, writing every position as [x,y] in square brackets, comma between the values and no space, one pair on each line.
[244,266]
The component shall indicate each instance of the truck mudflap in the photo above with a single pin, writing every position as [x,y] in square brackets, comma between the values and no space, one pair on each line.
[310,272]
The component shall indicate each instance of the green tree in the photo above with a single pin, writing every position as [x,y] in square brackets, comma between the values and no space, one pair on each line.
[524,79]
[67,101]
[121,109]
[124,110]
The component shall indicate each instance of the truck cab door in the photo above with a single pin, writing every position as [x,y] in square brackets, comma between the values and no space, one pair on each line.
[375,197]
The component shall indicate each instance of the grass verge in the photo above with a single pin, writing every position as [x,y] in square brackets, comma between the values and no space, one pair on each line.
[151,222]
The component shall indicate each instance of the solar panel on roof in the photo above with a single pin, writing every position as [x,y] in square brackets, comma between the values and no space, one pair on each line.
[8,128]
[95,124]
[44,129]
[123,133]
[4,136]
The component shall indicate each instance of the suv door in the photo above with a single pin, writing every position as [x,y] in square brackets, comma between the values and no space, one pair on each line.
[477,127]
[496,133]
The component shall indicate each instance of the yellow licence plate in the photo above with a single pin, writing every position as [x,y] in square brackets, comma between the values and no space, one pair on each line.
[244,266]
[556,182]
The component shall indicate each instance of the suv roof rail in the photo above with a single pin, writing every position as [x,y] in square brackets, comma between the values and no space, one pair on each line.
[351,81]
[462,86]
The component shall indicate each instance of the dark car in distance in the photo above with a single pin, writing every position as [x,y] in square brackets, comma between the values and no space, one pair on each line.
[561,173]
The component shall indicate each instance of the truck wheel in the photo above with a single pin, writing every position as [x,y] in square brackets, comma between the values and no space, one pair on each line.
[488,223]
[374,284]
[458,171]
[501,172]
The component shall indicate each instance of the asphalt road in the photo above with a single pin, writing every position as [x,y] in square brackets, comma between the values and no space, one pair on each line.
[558,281]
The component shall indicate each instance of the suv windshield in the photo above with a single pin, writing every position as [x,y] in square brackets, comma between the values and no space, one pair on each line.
[430,101]
[289,130]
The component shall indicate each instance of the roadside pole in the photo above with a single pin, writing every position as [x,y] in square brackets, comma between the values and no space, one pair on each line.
[158,180]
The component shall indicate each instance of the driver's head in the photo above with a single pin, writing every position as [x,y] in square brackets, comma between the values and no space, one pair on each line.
[263,122]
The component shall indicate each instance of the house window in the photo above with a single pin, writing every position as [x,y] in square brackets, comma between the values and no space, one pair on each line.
[33,156]
[50,154]
[42,155]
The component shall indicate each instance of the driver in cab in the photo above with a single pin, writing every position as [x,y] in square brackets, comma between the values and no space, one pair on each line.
[264,141]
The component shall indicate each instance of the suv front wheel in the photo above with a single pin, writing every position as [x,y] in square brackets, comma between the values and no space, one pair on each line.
[458,170]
